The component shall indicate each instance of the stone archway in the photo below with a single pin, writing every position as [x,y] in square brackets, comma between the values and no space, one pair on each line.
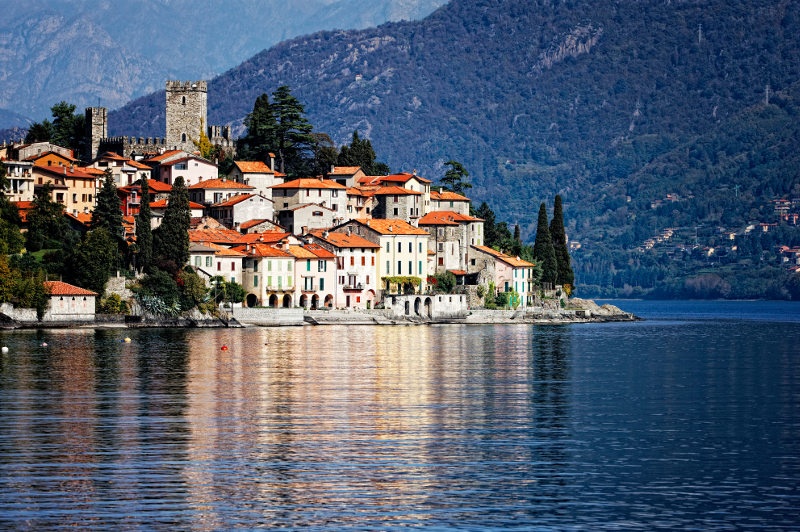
[329,301]
[417,305]
[287,301]
[304,301]
[315,302]
[251,300]
[428,308]
[273,301]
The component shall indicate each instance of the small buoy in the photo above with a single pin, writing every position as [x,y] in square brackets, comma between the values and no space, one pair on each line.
[127,340]
[224,348]
[44,344]
[4,350]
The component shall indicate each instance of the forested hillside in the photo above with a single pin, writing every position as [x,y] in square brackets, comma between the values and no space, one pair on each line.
[599,101]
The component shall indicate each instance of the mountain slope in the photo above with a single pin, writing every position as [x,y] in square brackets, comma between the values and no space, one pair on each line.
[91,52]
[535,98]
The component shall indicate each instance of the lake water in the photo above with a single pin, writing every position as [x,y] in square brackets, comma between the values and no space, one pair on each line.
[687,420]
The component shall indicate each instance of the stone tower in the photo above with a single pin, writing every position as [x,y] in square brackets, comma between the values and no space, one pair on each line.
[96,129]
[186,113]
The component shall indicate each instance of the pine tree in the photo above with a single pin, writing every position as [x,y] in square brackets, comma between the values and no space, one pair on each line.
[455,178]
[259,141]
[543,251]
[292,133]
[107,212]
[171,239]
[565,274]
[144,234]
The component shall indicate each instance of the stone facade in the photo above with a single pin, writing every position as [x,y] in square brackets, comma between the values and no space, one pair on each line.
[186,109]
[96,129]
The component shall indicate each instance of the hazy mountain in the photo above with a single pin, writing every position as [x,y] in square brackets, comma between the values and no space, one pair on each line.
[102,52]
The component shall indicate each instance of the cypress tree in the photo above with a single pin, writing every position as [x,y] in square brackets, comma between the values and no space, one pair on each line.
[565,274]
[144,232]
[107,213]
[171,239]
[543,251]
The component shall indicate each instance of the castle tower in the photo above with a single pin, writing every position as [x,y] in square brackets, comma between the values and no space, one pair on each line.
[186,113]
[96,129]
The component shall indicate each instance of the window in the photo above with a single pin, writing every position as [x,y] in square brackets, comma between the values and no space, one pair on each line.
[395,200]
[269,280]
[399,268]
[208,262]
[419,267]
[322,266]
[367,279]
[396,212]
[255,265]
[255,280]
[308,265]
[388,249]
[269,265]
[219,266]
[322,283]
[74,198]
[411,247]
[363,260]
[399,247]
[233,266]
[440,247]
[352,260]
[387,267]
[183,137]
[410,267]
[441,261]
[373,261]
[420,247]
[197,261]
[289,267]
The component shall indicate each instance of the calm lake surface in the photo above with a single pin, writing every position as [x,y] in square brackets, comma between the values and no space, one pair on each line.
[687,420]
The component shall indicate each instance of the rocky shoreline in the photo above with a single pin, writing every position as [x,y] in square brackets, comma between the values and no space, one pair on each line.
[575,311]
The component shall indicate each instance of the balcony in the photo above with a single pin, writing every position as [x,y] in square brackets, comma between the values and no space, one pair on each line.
[353,287]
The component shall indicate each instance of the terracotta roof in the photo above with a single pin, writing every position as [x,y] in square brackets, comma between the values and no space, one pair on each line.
[396,191]
[59,288]
[220,183]
[110,155]
[344,240]
[353,191]
[158,186]
[84,218]
[65,171]
[345,170]
[253,167]
[311,251]
[233,200]
[446,195]
[218,236]
[263,250]
[311,183]
[458,272]
[252,223]
[392,226]
[268,237]
[508,259]
[162,204]
[223,251]
[164,156]
[189,157]
[403,177]
[446,218]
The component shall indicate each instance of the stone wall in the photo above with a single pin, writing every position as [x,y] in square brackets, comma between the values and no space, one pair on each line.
[268,316]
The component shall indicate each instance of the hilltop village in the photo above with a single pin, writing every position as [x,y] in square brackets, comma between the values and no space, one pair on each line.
[343,240]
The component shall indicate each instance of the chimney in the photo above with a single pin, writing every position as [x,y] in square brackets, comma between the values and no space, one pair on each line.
[304,229]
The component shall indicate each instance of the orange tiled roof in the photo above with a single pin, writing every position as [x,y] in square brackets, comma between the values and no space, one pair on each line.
[220,183]
[403,177]
[445,218]
[263,250]
[345,170]
[391,226]
[158,186]
[59,288]
[219,236]
[344,240]
[253,167]
[396,191]
[162,204]
[166,155]
[268,237]
[310,182]
[446,195]
[252,223]
[233,200]
[508,259]
[310,251]
[64,171]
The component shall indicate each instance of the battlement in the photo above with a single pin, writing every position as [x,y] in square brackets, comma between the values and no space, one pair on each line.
[199,86]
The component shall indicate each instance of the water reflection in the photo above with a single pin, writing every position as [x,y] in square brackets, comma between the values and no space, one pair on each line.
[388,427]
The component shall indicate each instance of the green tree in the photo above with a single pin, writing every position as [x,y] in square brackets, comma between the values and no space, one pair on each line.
[485,213]
[260,139]
[565,274]
[292,133]
[203,144]
[325,153]
[144,231]
[47,227]
[360,153]
[66,130]
[107,213]
[455,178]
[93,260]
[171,239]
[543,251]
